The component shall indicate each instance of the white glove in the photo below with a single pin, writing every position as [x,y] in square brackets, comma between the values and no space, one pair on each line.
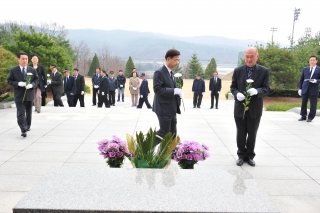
[314,81]
[22,84]
[203,93]
[240,96]
[148,94]
[141,96]
[218,92]
[102,93]
[134,88]
[299,92]
[45,86]
[71,93]
[210,91]
[121,85]
[29,86]
[178,91]
[82,92]
[252,91]
[48,82]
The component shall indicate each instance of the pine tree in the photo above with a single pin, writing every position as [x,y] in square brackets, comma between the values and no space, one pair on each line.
[94,64]
[212,67]
[194,66]
[129,67]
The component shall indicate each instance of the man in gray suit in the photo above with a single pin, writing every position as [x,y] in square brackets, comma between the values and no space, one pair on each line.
[167,99]
[56,85]
[23,94]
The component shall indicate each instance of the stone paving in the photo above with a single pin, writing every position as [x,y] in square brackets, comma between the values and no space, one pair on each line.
[287,160]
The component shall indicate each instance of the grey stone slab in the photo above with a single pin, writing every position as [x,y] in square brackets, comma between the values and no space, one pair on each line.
[55,147]
[272,137]
[62,139]
[313,172]
[221,160]
[27,168]
[18,182]
[86,157]
[17,137]
[291,144]
[318,181]
[95,191]
[89,165]
[48,156]
[293,204]
[305,161]
[88,147]
[290,187]
[6,155]
[273,161]
[31,133]
[8,200]
[68,133]
[14,145]
[276,173]
[299,152]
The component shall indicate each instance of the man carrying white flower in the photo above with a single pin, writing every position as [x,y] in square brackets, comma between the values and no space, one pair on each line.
[23,93]
[248,121]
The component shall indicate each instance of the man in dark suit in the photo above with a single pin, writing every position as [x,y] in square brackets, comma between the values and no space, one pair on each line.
[167,99]
[104,90]
[247,122]
[309,89]
[96,78]
[144,92]
[56,85]
[70,88]
[215,88]
[80,88]
[198,89]
[23,91]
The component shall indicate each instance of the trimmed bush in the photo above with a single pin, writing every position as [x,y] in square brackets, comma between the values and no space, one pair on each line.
[87,89]
[285,106]
[293,93]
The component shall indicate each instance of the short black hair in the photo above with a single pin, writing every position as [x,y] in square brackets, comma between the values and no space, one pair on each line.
[98,68]
[133,68]
[34,55]
[313,56]
[22,53]
[216,72]
[120,71]
[104,71]
[198,74]
[171,53]
[75,69]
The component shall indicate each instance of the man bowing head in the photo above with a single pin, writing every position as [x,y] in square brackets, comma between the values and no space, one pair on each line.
[248,119]
[167,97]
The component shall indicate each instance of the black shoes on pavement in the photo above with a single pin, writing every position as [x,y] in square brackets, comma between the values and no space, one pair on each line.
[240,162]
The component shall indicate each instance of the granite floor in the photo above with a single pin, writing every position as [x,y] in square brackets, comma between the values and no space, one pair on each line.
[287,161]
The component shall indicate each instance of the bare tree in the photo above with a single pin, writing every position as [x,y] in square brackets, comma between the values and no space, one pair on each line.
[109,62]
[84,57]
[53,29]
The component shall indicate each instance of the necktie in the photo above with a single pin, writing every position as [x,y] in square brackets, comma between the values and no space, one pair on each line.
[24,72]
[171,74]
[215,80]
[311,71]
[67,80]
[250,73]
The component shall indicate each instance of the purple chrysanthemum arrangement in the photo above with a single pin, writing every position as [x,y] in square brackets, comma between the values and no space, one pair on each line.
[189,153]
[114,151]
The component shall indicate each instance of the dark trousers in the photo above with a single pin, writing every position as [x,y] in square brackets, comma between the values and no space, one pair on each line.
[247,129]
[112,97]
[167,124]
[313,105]
[94,94]
[104,100]
[43,97]
[80,98]
[214,96]
[70,100]
[197,98]
[24,114]
[57,100]
[144,100]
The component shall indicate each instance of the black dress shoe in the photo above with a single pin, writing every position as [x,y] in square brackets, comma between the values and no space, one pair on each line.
[28,129]
[93,104]
[251,162]
[216,107]
[24,134]
[198,107]
[211,107]
[194,107]
[118,100]
[302,119]
[240,161]
[309,120]
[113,105]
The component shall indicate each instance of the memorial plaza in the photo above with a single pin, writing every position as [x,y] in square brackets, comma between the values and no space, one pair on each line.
[287,151]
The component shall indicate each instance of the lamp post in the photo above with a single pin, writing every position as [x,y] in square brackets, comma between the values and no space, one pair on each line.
[295,17]
[273,29]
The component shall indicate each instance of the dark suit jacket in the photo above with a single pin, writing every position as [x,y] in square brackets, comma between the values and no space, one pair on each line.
[70,86]
[165,102]
[304,85]
[104,85]
[56,83]
[15,76]
[144,88]
[80,84]
[215,87]
[95,80]
[260,76]
[198,86]
[42,77]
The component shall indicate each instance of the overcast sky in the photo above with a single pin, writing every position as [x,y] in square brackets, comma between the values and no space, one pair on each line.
[246,19]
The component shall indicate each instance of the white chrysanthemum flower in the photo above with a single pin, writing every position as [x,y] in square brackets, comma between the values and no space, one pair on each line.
[29,73]
[177,75]
[250,81]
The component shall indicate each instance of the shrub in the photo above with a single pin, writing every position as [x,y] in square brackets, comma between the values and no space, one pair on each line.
[285,106]
[7,60]
[226,95]
[87,89]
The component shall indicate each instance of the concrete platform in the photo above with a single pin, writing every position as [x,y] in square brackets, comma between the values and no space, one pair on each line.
[145,190]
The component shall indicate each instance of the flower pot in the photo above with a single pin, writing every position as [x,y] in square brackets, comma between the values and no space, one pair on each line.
[186,164]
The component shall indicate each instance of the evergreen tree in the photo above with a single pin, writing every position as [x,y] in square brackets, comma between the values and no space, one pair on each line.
[129,67]
[194,66]
[94,64]
[212,67]
[7,60]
